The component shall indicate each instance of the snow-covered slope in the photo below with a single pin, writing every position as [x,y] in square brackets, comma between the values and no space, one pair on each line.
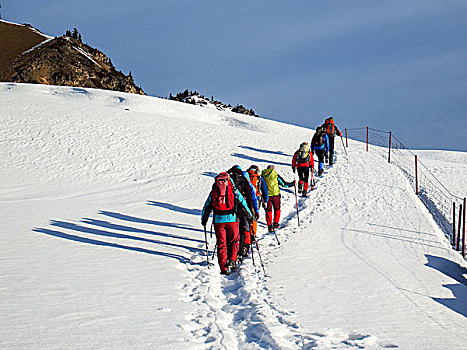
[101,245]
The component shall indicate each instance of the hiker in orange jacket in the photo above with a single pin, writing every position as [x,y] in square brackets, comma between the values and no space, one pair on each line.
[331,130]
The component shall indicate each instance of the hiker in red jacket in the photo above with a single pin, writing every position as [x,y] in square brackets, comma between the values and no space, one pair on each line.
[331,130]
[302,161]
[227,203]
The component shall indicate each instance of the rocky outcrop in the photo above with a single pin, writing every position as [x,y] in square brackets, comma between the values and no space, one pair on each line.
[193,97]
[66,61]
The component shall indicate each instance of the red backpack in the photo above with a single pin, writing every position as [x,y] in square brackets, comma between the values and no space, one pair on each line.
[222,195]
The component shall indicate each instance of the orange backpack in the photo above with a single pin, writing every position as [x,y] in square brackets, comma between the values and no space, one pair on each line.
[255,179]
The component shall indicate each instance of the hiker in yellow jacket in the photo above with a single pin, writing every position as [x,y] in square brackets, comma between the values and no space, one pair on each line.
[273,181]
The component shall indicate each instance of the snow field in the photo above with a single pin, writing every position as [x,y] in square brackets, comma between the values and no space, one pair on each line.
[103,246]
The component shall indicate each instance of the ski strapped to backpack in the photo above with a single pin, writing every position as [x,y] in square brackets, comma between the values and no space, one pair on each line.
[223,196]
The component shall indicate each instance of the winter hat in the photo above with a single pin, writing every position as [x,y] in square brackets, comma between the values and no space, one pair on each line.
[255,168]
[271,166]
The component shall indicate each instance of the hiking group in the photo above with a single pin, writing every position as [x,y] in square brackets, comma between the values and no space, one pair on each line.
[237,196]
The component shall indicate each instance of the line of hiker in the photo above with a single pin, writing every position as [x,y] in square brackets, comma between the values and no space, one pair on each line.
[235,199]
[237,196]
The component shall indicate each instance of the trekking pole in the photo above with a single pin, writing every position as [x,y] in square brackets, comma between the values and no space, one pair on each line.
[214,251]
[252,255]
[296,202]
[260,259]
[275,234]
[343,146]
[207,250]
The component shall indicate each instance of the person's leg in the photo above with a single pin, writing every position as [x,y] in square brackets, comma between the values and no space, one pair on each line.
[320,154]
[269,214]
[276,201]
[232,240]
[331,150]
[306,175]
[221,237]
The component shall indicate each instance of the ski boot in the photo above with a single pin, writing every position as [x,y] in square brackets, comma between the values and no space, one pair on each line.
[231,265]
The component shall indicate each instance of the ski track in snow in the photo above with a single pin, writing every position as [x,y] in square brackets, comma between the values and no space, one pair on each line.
[239,311]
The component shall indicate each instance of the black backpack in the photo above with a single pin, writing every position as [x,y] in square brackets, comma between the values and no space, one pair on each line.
[318,139]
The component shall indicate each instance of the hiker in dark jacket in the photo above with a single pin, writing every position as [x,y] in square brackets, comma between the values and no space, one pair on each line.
[243,184]
[331,130]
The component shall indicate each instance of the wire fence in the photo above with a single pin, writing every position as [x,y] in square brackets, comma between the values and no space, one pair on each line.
[448,209]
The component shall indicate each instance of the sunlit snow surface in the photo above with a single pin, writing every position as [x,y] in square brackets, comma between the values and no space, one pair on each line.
[101,245]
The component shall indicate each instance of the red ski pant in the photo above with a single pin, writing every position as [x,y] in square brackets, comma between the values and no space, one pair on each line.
[227,242]
[273,202]
[251,232]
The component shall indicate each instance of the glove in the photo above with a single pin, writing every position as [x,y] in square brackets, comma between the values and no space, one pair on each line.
[265,206]
[257,216]
[293,170]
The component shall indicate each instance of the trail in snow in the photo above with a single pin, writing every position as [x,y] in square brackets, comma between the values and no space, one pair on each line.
[241,311]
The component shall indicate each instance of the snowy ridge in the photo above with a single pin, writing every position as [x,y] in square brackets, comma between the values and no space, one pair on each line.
[103,192]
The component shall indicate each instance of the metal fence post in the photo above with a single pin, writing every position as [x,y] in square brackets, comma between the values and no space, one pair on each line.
[453,224]
[389,153]
[416,175]
[367,134]
[459,228]
[463,235]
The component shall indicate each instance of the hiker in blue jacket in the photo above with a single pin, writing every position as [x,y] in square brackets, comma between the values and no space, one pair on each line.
[320,146]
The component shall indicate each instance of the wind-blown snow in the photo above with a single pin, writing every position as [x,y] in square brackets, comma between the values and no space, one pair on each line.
[101,245]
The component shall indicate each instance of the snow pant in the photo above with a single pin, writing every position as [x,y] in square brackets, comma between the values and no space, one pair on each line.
[331,149]
[244,231]
[274,202]
[227,242]
[320,153]
[303,175]
[251,234]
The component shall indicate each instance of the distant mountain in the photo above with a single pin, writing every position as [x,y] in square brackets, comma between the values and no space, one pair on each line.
[28,56]
[193,97]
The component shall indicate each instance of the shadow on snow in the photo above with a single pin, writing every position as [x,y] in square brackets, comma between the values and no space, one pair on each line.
[459,291]
[106,229]
[175,208]
[258,160]
[280,153]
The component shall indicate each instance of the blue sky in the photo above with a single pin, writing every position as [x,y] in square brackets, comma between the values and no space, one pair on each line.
[391,65]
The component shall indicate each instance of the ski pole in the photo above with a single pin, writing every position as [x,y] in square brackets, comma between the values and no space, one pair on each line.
[296,202]
[212,223]
[343,146]
[313,181]
[260,259]
[207,250]
[214,251]
[252,255]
